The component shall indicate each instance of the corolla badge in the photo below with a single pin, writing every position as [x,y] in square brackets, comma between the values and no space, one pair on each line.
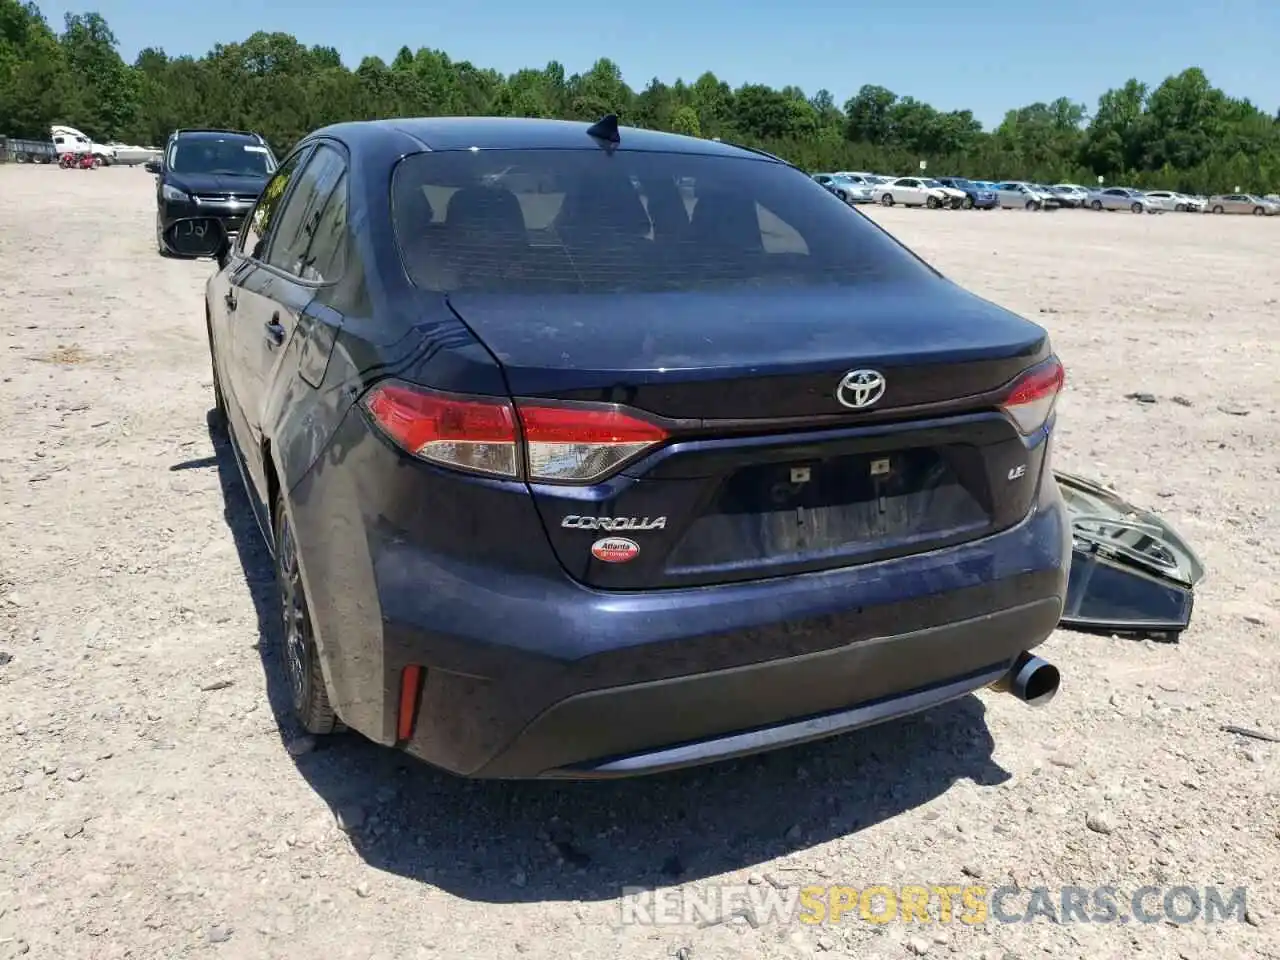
[860,389]
[575,522]
[615,550]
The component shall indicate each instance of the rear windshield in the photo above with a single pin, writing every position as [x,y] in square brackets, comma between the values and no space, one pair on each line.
[586,221]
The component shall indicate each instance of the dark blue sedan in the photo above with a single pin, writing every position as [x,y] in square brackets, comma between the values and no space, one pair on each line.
[588,452]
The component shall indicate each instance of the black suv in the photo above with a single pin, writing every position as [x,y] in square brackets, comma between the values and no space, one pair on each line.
[207,180]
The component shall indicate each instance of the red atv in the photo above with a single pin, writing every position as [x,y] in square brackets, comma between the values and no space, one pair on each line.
[80,161]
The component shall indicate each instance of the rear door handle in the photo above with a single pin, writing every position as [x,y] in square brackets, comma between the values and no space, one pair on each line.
[230,299]
[275,330]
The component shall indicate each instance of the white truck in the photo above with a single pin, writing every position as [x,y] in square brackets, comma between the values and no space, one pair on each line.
[70,140]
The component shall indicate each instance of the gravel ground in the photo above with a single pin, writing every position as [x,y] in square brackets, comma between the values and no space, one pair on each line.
[154,803]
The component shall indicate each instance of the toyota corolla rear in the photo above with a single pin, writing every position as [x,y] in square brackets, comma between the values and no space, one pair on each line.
[681,462]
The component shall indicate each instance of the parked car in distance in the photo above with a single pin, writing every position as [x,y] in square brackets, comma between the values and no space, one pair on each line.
[1242,203]
[1062,197]
[1052,199]
[849,188]
[954,198]
[1014,194]
[506,405]
[206,182]
[911,192]
[1072,191]
[1122,198]
[1170,200]
[975,196]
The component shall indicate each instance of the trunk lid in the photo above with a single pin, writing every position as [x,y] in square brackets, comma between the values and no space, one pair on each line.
[767,472]
[753,355]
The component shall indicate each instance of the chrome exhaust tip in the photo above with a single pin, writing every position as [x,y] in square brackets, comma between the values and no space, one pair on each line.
[1031,679]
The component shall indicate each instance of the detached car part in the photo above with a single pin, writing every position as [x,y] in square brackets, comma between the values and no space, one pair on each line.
[1130,570]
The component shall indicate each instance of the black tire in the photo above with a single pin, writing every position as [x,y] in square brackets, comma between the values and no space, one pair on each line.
[1218,210]
[1259,212]
[1096,205]
[1135,207]
[301,657]
[1031,205]
[1180,208]
[886,200]
[968,203]
[933,203]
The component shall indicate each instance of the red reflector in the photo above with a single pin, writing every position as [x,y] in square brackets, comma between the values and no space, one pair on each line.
[410,686]
[578,425]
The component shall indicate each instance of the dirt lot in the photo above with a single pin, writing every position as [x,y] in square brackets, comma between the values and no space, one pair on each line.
[154,804]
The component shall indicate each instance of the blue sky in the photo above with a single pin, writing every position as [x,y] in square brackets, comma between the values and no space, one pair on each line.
[996,55]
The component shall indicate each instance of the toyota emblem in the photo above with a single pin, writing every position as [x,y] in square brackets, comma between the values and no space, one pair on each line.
[860,389]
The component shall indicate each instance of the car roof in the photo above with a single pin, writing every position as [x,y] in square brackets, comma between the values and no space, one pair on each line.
[518,133]
[217,135]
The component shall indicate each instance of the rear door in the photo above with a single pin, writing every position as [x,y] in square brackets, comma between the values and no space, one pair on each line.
[248,309]
[279,287]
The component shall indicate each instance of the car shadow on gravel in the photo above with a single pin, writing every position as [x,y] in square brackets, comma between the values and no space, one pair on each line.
[513,842]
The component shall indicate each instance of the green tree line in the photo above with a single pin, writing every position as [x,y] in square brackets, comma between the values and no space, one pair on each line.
[1183,134]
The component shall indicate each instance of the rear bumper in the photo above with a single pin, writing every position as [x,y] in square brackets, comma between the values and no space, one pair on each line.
[528,673]
[681,721]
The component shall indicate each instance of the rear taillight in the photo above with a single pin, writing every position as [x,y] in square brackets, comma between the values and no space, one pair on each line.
[580,443]
[477,434]
[1031,397]
[557,443]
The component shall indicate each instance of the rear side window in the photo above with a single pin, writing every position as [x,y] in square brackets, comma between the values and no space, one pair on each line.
[569,221]
[300,216]
[325,258]
[259,224]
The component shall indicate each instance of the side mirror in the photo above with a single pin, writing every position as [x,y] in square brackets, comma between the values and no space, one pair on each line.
[152,166]
[223,256]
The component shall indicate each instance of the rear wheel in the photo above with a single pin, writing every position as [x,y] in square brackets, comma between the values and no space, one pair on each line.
[1097,204]
[968,203]
[302,660]
[887,200]
[1218,210]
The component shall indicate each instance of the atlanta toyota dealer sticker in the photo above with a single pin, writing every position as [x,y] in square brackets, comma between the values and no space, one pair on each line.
[615,550]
